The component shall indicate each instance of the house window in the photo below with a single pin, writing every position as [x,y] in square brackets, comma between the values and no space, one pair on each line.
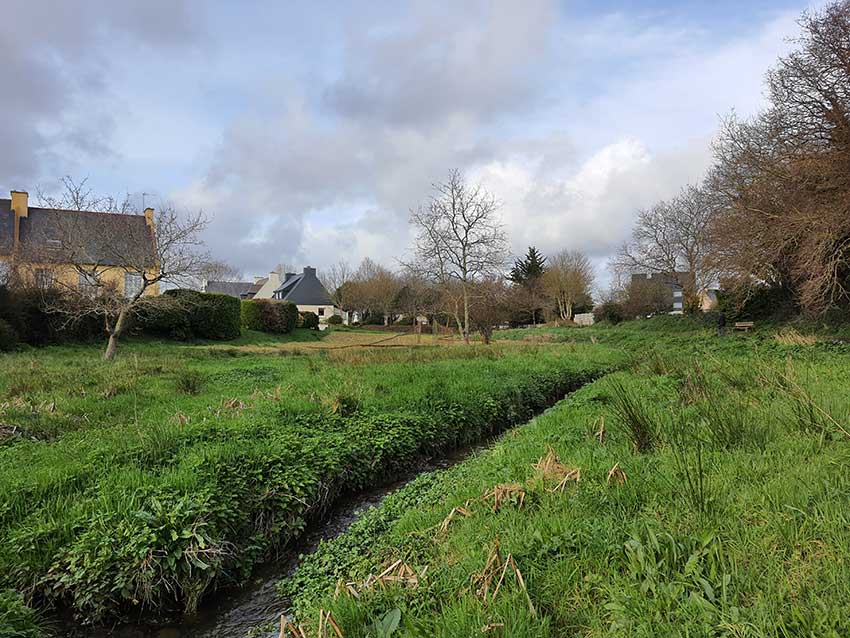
[132,284]
[321,312]
[44,279]
[87,283]
[677,294]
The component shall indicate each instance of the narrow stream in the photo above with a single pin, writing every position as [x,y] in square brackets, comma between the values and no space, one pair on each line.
[231,613]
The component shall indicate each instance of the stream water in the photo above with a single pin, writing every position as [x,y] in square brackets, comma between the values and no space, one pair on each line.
[231,613]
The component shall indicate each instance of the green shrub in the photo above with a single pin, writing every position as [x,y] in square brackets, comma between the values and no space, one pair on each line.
[290,315]
[164,316]
[310,320]
[205,315]
[25,310]
[610,311]
[190,382]
[269,315]
[8,337]
[756,302]
[334,320]
[16,619]
[250,314]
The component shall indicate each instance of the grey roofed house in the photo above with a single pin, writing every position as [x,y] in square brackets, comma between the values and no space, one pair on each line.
[48,235]
[304,289]
[238,289]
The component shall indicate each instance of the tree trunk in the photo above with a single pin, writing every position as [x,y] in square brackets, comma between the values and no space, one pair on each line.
[114,335]
[465,315]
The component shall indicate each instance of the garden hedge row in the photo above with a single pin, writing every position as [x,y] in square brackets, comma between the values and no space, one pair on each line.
[223,505]
[269,315]
[25,313]
[310,320]
[187,314]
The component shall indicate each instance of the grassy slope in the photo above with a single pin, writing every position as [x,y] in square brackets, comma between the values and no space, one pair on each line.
[758,545]
[152,479]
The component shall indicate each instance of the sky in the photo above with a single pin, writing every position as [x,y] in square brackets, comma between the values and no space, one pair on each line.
[307,131]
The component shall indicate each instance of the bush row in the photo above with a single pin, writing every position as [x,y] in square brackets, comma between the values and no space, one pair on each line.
[176,314]
[188,314]
[269,315]
[309,320]
[24,318]
[222,507]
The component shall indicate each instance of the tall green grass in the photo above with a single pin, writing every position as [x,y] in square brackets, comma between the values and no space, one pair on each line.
[148,483]
[735,521]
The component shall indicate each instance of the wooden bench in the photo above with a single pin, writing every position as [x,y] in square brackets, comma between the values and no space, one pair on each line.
[744,326]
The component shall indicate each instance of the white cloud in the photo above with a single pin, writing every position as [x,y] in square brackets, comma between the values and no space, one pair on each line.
[571,175]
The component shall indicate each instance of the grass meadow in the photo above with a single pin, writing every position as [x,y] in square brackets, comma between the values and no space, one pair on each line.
[133,488]
[700,490]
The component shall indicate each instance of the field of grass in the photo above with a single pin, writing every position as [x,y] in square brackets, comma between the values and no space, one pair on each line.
[701,491]
[135,487]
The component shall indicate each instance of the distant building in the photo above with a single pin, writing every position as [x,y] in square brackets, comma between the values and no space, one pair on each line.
[49,247]
[307,292]
[584,319]
[674,284]
[260,288]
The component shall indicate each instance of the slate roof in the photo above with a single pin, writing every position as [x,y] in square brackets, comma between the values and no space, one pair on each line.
[255,287]
[304,290]
[233,288]
[61,236]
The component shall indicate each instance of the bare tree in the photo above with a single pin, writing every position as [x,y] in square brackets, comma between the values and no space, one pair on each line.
[334,279]
[492,306]
[371,290]
[217,270]
[168,250]
[784,176]
[673,237]
[568,281]
[460,241]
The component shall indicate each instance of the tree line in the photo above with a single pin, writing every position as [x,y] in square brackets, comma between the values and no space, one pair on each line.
[457,275]
[772,215]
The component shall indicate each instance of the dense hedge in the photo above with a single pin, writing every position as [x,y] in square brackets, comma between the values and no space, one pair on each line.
[8,337]
[25,310]
[310,320]
[757,302]
[212,515]
[610,311]
[186,314]
[334,320]
[269,315]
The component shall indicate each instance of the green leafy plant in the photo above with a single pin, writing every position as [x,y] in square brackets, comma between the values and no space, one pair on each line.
[636,415]
[386,626]
[190,382]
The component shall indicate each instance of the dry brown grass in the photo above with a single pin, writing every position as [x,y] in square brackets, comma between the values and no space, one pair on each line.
[790,337]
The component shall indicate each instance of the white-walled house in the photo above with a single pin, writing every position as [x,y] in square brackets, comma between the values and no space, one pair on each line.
[260,288]
[307,292]
[303,289]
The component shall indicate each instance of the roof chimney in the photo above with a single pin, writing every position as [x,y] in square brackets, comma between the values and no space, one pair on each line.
[149,217]
[274,277]
[20,206]
[288,275]
[309,271]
